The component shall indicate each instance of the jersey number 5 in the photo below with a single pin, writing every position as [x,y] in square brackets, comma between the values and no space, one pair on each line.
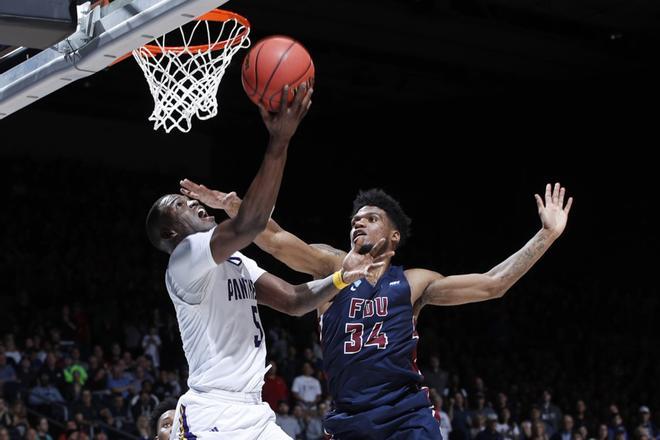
[356,329]
[255,317]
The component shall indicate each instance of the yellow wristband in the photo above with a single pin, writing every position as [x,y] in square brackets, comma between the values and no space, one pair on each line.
[338,281]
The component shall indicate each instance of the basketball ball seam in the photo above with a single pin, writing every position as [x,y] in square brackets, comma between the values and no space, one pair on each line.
[256,71]
[272,74]
[270,98]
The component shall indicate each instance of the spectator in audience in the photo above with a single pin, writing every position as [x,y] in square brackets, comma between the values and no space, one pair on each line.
[526,430]
[10,349]
[4,433]
[645,422]
[314,422]
[7,373]
[288,423]
[538,430]
[20,422]
[42,430]
[73,371]
[86,407]
[51,369]
[445,421]
[151,344]
[582,417]
[5,414]
[142,428]
[274,388]
[506,426]
[306,388]
[550,413]
[566,432]
[119,381]
[434,376]
[490,432]
[143,404]
[460,425]
[45,393]
[617,428]
[603,432]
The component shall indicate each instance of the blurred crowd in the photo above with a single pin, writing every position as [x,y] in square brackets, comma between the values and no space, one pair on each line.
[89,343]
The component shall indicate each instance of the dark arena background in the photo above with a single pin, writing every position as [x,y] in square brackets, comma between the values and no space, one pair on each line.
[462,110]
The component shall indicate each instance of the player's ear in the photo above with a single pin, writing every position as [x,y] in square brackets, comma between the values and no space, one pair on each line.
[395,238]
[167,234]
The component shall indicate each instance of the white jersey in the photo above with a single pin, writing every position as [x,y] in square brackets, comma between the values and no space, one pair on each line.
[216,308]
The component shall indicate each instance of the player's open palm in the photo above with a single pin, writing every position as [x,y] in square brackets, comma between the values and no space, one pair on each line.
[553,213]
[368,265]
[210,197]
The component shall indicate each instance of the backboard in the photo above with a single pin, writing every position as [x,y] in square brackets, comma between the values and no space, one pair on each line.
[105,33]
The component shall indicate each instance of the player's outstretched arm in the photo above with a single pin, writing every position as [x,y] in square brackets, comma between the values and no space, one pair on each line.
[432,288]
[252,217]
[315,259]
[303,298]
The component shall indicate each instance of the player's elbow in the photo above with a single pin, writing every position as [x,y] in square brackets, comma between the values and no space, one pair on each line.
[250,226]
[496,287]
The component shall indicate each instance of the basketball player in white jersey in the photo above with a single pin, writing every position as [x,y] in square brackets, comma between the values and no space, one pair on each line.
[215,290]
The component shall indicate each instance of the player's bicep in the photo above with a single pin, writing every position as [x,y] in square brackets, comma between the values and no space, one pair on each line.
[460,289]
[317,260]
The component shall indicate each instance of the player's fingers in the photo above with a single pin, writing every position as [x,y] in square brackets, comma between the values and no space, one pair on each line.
[378,247]
[568,205]
[548,195]
[384,256]
[301,92]
[306,102]
[562,193]
[264,113]
[284,98]
[191,194]
[539,201]
[555,193]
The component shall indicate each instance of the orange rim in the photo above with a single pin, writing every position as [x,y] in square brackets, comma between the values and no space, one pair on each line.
[217,15]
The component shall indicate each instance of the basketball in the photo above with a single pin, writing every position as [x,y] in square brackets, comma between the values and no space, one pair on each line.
[273,63]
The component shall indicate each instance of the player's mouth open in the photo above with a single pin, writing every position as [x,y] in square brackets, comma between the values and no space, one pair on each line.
[357,234]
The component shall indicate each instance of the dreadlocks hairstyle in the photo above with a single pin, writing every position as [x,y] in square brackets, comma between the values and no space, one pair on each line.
[380,199]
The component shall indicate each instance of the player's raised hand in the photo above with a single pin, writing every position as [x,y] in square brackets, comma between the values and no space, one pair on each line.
[553,213]
[283,124]
[369,265]
[228,202]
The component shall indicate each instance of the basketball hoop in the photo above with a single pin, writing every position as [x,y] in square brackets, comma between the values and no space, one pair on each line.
[184,80]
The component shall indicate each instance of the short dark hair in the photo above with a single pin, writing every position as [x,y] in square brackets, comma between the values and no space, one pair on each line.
[164,405]
[154,226]
[380,199]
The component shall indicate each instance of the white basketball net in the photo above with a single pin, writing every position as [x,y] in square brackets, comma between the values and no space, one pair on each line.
[185,84]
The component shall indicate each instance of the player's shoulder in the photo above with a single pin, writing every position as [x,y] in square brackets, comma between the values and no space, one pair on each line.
[419,275]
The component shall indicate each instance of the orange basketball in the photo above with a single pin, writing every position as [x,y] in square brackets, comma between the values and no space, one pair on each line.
[273,63]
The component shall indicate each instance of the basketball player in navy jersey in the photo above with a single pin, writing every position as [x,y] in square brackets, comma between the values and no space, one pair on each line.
[368,331]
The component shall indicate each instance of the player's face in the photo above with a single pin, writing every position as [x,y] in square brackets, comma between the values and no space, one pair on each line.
[165,425]
[189,214]
[369,225]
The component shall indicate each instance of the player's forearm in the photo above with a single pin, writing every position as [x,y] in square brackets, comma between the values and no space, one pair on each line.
[266,239]
[514,267]
[312,295]
[259,201]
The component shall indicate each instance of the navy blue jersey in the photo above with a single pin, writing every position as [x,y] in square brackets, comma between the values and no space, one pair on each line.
[369,344]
